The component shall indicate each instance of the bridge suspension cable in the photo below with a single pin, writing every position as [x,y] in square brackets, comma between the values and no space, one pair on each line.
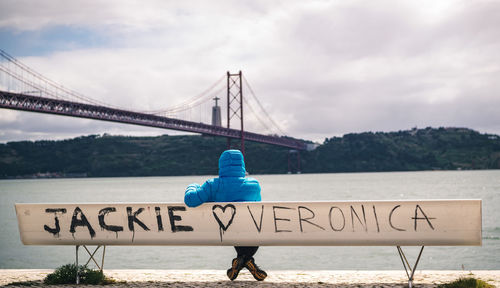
[35,83]
[194,101]
[42,85]
[264,112]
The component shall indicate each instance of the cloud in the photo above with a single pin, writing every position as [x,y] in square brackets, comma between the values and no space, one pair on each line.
[320,68]
[29,15]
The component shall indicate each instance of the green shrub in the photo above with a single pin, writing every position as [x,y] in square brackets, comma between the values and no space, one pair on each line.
[66,274]
[466,283]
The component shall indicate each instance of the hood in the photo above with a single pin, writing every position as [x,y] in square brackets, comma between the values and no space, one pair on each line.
[231,164]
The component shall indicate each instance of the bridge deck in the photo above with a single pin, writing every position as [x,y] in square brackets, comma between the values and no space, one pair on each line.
[67,108]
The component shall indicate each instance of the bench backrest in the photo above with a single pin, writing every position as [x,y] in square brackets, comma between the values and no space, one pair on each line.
[383,223]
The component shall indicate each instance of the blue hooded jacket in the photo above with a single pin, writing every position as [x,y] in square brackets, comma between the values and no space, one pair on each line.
[231,186]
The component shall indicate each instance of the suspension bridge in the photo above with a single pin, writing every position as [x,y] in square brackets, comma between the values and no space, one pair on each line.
[22,88]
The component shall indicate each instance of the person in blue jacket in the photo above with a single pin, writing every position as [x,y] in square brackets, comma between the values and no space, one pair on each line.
[231,186]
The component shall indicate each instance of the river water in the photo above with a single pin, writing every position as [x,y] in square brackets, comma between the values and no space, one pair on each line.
[483,185]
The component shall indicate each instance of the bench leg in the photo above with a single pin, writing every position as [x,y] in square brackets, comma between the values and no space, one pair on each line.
[410,272]
[91,257]
[77,267]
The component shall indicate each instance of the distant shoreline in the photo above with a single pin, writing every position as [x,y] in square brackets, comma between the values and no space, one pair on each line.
[35,177]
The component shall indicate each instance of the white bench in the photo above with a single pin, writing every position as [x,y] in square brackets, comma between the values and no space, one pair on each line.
[348,223]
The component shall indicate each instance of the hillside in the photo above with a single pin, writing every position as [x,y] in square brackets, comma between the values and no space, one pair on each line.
[111,156]
[417,149]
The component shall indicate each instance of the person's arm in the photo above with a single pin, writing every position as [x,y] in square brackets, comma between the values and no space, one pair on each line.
[253,189]
[196,194]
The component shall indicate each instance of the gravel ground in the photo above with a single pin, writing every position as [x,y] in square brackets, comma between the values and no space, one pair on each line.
[218,278]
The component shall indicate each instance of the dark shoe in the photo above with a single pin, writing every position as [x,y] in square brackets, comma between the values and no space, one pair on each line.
[236,266]
[257,273]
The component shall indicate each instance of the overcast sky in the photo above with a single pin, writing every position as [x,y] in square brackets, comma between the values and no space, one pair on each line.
[320,68]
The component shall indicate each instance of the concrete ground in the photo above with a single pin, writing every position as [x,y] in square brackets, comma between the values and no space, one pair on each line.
[218,278]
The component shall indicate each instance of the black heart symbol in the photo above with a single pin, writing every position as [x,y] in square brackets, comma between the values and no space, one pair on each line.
[223,209]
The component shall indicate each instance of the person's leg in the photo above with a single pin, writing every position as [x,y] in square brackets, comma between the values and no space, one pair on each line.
[238,263]
[246,253]
[257,273]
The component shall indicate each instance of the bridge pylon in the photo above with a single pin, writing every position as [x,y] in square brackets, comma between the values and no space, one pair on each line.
[235,105]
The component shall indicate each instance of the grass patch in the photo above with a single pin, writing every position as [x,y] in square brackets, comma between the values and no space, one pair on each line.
[468,282]
[66,274]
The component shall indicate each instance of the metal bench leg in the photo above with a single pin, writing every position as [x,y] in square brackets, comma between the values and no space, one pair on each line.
[410,272]
[103,253]
[91,257]
[77,267]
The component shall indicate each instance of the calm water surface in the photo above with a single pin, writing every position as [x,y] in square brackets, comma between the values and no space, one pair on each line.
[483,185]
